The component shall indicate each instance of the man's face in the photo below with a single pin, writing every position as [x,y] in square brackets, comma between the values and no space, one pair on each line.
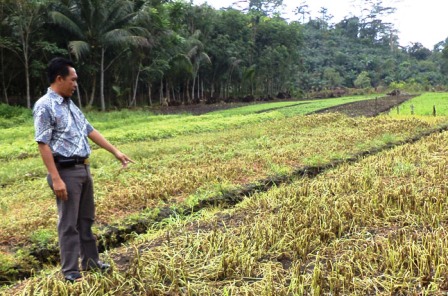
[67,85]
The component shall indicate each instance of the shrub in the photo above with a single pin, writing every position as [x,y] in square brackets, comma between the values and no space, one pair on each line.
[12,115]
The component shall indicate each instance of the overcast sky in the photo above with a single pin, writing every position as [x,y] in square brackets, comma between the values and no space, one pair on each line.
[422,21]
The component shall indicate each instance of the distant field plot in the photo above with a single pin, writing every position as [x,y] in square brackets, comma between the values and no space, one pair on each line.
[424,105]
[131,126]
[292,108]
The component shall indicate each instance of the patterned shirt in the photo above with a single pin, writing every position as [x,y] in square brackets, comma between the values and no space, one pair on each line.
[59,123]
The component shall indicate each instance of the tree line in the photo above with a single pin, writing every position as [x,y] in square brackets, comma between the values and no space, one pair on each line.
[140,52]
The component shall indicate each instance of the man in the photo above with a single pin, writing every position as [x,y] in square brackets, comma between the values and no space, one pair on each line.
[61,131]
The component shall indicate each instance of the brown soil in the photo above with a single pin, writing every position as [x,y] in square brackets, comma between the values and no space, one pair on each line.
[196,109]
[369,108]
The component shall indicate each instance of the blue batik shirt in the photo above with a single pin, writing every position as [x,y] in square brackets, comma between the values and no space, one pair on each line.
[59,123]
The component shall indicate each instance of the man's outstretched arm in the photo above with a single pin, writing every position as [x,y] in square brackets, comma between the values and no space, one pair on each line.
[99,139]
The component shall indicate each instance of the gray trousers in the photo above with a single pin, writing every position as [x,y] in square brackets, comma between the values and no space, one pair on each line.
[76,216]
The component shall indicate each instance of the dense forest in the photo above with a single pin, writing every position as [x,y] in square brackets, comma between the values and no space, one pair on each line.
[143,52]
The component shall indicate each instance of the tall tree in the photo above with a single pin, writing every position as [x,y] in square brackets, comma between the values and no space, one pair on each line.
[374,25]
[26,18]
[229,43]
[97,27]
[7,48]
[197,56]
[302,10]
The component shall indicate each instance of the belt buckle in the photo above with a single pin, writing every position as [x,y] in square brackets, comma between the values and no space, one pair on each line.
[86,161]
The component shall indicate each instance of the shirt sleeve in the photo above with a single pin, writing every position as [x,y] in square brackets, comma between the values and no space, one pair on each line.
[89,127]
[43,127]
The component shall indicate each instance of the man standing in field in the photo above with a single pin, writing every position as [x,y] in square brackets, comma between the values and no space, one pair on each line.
[61,131]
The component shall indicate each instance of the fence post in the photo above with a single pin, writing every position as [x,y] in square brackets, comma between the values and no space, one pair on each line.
[434,110]
[398,110]
[412,109]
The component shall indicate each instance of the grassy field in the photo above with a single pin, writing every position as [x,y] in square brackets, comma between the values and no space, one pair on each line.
[424,105]
[134,126]
[308,237]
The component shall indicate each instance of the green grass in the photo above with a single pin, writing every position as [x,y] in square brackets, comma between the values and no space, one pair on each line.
[133,126]
[424,105]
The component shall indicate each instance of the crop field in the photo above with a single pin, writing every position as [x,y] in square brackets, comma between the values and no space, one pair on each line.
[131,126]
[366,225]
[424,105]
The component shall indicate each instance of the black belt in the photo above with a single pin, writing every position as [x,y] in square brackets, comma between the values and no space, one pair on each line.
[70,161]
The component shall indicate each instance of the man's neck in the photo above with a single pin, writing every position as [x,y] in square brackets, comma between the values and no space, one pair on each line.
[55,90]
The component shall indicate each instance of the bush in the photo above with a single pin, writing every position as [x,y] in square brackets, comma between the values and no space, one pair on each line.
[11,116]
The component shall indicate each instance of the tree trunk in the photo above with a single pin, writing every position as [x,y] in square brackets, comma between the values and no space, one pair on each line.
[167,91]
[5,93]
[134,96]
[86,94]
[78,93]
[192,87]
[149,94]
[161,91]
[202,90]
[2,64]
[25,41]
[92,94]
[28,95]
[252,87]
[103,102]
[27,75]
[187,90]
[198,88]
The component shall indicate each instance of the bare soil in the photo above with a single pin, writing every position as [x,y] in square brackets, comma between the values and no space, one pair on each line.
[196,109]
[369,108]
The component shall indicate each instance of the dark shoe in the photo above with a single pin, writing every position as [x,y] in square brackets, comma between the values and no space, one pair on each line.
[102,267]
[73,277]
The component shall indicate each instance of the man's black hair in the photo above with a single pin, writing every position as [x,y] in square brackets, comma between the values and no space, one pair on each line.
[58,67]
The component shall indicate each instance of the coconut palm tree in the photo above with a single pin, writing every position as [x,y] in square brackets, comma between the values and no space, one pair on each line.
[197,56]
[98,26]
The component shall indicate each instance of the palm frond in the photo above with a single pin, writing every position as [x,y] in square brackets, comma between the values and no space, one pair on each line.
[79,48]
[193,51]
[205,57]
[65,22]
[123,37]
[181,61]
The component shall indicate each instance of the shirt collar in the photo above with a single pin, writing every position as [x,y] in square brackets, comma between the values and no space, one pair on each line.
[55,96]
